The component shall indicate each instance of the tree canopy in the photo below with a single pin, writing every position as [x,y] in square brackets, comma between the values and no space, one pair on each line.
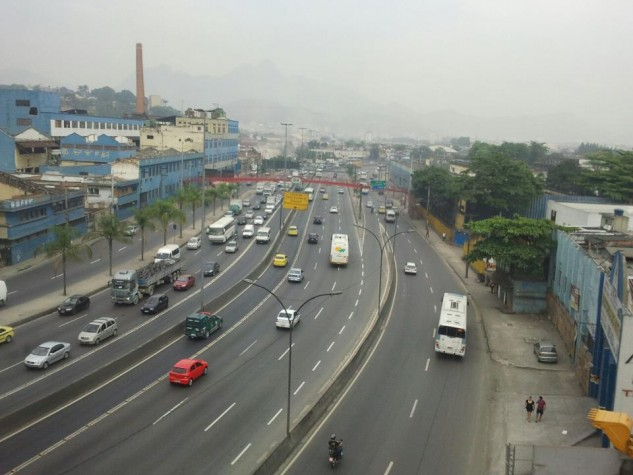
[610,174]
[567,177]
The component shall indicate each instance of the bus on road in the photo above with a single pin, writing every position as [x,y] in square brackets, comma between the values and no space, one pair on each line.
[339,251]
[450,337]
[222,230]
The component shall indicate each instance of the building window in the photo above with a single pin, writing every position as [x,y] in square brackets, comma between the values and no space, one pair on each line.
[24,122]
[58,123]
[74,124]
[22,103]
[82,125]
[150,137]
[67,124]
[33,111]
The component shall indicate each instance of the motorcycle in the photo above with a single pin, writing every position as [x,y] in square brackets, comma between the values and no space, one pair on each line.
[334,457]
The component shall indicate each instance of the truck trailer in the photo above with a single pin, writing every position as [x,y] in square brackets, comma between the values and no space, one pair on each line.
[128,286]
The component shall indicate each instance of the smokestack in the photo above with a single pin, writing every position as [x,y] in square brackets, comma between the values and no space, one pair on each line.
[140,83]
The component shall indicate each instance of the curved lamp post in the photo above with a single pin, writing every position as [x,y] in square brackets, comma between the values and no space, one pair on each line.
[382,248]
[291,327]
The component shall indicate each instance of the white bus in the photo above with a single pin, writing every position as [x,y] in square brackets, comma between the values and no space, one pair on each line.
[222,230]
[339,251]
[310,191]
[450,337]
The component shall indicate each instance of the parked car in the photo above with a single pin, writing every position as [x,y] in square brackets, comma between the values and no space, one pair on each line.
[313,238]
[293,231]
[130,230]
[194,242]
[6,334]
[48,353]
[73,304]
[317,220]
[187,371]
[231,246]
[545,352]
[295,275]
[333,209]
[155,303]
[184,282]
[410,268]
[287,320]
[98,330]
[280,260]
[211,268]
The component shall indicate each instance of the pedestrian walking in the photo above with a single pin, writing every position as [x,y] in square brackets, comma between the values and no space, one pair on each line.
[529,407]
[427,231]
[540,408]
[443,236]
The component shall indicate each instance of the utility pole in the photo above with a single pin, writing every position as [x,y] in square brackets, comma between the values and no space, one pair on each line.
[286,148]
[302,129]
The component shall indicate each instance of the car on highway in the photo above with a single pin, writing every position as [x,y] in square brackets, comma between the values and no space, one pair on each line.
[325,196]
[280,260]
[184,282]
[410,268]
[187,371]
[130,230]
[97,331]
[211,268]
[545,352]
[155,303]
[287,320]
[341,191]
[48,353]
[293,231]
[313,238]
[333,209]
[194,242]
[258,220]
[295,275]
[73,304]
[249,214]
[256,206]
[231,246]
[370,204]
[241,220]
[389,204]
[317,220]
[7,334]
[202,324]
[246,203]
[382,210]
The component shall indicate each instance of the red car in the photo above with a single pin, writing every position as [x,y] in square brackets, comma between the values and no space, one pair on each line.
[184,282]
[187,371]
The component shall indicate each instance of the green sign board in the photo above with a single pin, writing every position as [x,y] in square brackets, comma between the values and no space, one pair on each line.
[378,184]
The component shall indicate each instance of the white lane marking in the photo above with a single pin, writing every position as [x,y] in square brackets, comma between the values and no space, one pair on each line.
[415,250]
[431,289]
[56,276]
[275,416]
[334,286]
[428,362]
[341,330]
[360,291]
[356,304]
[316,365]
[315,265]
[306,286]
[426,275]
[350,316]
[124,247]
[240,454]
[73,320]
[389,467]
[299,388]
[318,313]
[170,411]
[415,404]
[330,347]
[13,292]
[217,419]
[434,333]
[95,261]
[247,348]
[435,308]
[285,352]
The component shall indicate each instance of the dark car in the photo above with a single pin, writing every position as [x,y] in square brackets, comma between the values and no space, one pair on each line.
[73,304]
[211,268]
[317,220]
[155,303]
[256,205]
[241,220]
[313,238]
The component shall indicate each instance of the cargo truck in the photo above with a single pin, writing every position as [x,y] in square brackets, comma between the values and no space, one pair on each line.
[202,324]
[128,286]
[235,206]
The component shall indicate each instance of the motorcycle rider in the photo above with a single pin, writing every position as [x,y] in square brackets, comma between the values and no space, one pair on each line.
[336,447]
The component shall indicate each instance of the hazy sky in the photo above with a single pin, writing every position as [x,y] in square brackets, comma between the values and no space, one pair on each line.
[485,57]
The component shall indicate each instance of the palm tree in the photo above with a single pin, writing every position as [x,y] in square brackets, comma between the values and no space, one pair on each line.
[110,227]
[210,195]
[223,190]
[63,248]
[143,217]
[194,198]
[181,198]
[165,211]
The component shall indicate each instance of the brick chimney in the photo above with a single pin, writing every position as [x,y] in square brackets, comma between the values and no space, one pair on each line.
[140,82]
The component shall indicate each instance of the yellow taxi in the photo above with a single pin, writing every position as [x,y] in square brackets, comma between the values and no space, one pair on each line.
[280,260]
[382,210]
[6,334]
[293,231]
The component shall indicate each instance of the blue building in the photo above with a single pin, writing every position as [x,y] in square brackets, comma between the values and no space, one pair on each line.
[21,109]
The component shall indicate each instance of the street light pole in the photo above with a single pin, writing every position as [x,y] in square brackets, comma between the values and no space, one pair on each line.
[291,327]
[382,248]
[203,186]
[302,151]
[286,148]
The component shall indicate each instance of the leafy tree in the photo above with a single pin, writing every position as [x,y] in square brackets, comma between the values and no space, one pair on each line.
[420,153]
[611,175]
[210,195]
[520,245]
[181,198]
[440,186]
[194,198]
[144,218]
[461,142]
[63,248]
[165,212]
[567,177]
[110,227]
[496,183]
[589,148]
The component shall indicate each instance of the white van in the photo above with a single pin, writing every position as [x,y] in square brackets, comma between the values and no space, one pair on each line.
[248,231]
[170,251]
[3,292]
[263,235]
[390,216]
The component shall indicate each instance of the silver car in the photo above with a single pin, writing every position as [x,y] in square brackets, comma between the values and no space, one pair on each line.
[47,353]
[231,246]
[97,331]
[545,352]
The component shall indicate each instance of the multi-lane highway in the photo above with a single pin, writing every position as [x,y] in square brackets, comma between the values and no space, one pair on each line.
[408,410]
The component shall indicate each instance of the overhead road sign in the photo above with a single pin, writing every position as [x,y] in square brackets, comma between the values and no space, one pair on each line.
[378,184]
[294,200]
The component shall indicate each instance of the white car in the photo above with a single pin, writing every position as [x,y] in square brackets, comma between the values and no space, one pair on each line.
[249,214]
[370,204]
[97,331]
[287,320]
[333,209]
[194,242]
[410,268]
[231,246]
[258,220]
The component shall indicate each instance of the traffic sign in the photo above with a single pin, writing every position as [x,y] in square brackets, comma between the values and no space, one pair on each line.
[378,184]
[294,200]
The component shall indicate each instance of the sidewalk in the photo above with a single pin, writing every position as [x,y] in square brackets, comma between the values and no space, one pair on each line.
[517,375]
